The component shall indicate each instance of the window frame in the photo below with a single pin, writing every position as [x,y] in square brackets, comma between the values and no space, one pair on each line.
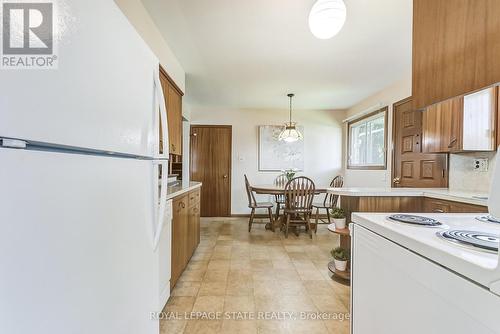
[385,112]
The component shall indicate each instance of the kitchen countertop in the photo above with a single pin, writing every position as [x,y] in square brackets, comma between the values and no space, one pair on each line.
[436,193]
[181,188]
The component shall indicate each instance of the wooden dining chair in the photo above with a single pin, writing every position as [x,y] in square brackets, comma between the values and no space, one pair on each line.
[280,181]
[329,202]
[299,196]
[253,204]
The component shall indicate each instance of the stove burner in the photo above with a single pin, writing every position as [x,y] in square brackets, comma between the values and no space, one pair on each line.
[488,219]
[415,220]
[485,241]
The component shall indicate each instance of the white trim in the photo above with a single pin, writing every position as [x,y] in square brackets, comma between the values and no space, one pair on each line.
[364,112]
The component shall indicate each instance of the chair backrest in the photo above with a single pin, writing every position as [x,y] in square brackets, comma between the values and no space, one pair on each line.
[299,194]
[250,195]
[281,180]
[331,199]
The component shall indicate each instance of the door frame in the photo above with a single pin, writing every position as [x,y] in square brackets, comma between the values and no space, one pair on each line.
[230,127]
[393,151]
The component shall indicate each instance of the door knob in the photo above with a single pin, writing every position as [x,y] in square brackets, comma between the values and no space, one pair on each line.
[396,180]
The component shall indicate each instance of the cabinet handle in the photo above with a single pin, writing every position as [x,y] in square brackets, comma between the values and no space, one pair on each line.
[225,176]
[396,180]
[438,211]
[452,143]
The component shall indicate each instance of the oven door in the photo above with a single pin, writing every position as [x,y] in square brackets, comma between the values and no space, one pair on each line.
[396,291]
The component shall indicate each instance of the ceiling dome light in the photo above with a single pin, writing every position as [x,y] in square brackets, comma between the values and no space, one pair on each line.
[327,17]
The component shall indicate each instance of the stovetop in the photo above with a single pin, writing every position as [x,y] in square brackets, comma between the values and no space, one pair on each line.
[481,265]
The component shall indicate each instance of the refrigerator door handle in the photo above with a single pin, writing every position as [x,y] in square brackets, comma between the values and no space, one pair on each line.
[162,206]
[160,101]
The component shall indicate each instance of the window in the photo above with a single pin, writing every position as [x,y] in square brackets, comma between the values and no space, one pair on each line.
[367,141]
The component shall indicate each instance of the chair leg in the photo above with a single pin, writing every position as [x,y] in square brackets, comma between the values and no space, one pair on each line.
[271,218]
[277,210]
[252,214]
[328,215]
[287,224]
[317,216]
[308,220]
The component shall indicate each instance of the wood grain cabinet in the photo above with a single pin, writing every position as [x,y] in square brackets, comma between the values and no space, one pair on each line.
[173,101]
[185,231]
[441,127]
[179,235]
[455,48]
[461,124]
[442,206]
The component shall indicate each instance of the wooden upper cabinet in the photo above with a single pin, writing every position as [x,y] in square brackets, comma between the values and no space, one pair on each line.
[498,118]
[441,127]
[455,48]
[461,124]
[173,101]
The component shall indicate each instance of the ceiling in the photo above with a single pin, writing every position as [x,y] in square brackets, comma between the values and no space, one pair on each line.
[249,54]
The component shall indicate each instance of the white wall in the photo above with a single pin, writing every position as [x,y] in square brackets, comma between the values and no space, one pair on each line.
[387,97]
[143,23]
[322,141]
[463,177]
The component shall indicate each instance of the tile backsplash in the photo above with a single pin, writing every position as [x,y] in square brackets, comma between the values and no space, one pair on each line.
[464,178]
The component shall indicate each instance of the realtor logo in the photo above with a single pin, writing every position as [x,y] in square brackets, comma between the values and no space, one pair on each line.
[27,35]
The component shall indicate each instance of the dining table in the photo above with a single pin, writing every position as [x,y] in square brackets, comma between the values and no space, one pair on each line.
[275,189]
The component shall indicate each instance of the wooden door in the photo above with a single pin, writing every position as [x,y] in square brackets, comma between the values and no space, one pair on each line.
[211,164]
[411,167]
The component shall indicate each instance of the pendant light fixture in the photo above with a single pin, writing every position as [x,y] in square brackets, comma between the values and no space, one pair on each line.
[327,17]
[290,132]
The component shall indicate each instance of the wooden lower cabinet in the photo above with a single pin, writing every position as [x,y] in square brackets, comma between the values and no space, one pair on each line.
[352,204]
[443,206]
[185,231]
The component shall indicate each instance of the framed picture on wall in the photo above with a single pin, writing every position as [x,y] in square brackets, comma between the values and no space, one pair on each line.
[275,155]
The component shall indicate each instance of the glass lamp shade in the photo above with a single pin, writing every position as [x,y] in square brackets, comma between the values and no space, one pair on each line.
[290,133]
[327,17]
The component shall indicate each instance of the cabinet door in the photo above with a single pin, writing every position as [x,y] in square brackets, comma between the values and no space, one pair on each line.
[441,127]
[179,237]
[455,48]
[478,126]
[174,116]
[193,229]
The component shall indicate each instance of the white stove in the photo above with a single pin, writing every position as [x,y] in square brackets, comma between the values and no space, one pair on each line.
[427,273]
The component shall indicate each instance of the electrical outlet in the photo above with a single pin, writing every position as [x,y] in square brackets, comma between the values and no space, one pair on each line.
[480,165]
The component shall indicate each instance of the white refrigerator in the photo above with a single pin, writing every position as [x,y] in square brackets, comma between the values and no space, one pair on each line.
[81,203]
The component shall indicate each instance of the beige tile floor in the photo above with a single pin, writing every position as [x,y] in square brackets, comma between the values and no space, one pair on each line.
[257,282]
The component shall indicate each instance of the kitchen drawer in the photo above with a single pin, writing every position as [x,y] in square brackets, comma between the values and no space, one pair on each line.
[442,206]
[194,197]
[436,206]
